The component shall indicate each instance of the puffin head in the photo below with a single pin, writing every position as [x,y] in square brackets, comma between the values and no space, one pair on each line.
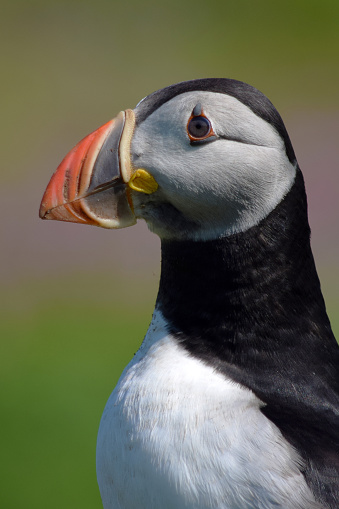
[197,160]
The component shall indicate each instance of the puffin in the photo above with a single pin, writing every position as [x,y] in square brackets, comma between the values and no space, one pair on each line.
[232,400]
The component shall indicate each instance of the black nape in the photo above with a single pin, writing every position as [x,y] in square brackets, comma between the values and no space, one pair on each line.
[250,305]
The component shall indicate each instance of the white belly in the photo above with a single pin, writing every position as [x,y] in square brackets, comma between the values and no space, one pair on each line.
[175,434]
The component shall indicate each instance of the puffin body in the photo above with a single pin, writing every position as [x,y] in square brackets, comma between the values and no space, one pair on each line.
[232,400]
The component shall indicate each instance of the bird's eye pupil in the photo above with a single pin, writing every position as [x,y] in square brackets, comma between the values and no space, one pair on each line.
[199,127]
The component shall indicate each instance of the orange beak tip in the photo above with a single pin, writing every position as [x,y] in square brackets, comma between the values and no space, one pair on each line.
[88,186]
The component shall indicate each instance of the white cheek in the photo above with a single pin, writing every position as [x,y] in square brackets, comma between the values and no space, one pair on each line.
[220,176]
[224,186]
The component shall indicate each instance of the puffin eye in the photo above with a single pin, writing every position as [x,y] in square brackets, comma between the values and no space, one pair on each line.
[199,127]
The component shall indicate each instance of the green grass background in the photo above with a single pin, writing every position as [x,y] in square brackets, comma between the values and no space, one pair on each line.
[67,330]
[59,364]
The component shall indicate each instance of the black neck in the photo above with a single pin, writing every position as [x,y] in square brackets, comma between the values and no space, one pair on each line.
[250,306]
[240,300]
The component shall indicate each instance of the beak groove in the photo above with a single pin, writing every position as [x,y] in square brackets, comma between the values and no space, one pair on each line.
[89,186]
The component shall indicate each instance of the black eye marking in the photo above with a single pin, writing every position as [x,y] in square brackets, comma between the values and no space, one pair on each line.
[197,110]
[199,128]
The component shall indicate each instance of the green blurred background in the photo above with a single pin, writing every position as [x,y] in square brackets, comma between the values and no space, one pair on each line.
[76,301]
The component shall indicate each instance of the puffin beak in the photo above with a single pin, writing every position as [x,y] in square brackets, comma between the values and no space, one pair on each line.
[93,183]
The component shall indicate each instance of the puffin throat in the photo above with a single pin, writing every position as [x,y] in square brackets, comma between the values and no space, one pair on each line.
[250,306]
[238,293]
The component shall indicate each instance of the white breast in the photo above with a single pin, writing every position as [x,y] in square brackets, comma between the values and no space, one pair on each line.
[175,434]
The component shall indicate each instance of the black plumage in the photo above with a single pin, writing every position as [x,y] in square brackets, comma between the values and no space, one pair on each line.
[250,305]
[245,93]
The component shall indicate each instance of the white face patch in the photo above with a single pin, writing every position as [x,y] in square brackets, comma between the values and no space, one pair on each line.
[222,187]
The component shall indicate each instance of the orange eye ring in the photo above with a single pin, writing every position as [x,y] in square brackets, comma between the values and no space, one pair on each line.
[199,128]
